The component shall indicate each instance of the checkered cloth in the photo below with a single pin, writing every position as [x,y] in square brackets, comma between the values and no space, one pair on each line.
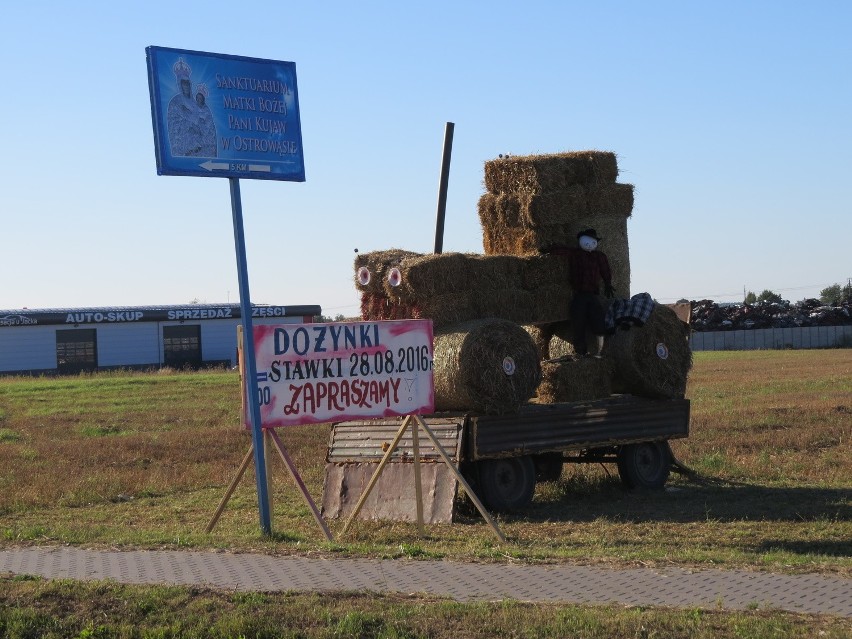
[632,312]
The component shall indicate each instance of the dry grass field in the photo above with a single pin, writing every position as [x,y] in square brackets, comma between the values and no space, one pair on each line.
[142,459]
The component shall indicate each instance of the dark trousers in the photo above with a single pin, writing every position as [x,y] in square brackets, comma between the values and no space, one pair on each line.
[587,314]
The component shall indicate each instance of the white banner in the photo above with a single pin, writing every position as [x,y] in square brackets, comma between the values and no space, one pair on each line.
[318,373]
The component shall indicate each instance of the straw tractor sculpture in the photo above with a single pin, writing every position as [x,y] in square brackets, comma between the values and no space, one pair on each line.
[501,319]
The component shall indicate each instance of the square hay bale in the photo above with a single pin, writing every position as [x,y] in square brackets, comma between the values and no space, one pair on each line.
[377,264]
[583,379]
[544,270]
[425,276]
[610,200]
[454,287]
[552,303]
[513,304]
[376,307]
[447,309]
[540,335]
[560,346]
[529,244]
[551,172]
[555,207]
[498,240]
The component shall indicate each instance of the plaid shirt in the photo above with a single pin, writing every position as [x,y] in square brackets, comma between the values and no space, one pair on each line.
[637,309]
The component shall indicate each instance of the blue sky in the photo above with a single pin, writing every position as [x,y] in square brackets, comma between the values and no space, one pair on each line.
[732,120]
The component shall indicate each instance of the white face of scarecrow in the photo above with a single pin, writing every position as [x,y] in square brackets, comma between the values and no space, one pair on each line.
[588,243]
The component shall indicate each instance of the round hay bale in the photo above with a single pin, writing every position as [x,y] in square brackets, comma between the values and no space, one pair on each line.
[488,366]
[652,360]
[574,381]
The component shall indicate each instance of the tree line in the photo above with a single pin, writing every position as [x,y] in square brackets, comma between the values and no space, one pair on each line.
[833,295]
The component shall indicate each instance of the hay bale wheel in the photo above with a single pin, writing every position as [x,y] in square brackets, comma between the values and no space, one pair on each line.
[652,360]
[488,366]
[577,380]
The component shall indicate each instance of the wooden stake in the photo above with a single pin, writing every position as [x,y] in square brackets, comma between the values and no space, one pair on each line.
[268,459]
[378,472]
[461,479]
[418,484]
[246,461]
[302,488]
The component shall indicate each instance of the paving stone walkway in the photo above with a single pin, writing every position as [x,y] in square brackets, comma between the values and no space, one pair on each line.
[675,587]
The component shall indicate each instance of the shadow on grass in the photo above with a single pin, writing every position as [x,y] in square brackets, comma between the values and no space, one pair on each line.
[827,548]
[685,502]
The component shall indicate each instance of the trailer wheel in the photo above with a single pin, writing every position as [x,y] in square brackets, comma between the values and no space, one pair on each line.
[644,465]
[548,466]
[507,484]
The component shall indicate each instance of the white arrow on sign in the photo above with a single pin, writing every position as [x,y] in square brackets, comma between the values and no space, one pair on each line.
[264,168]
[215,166]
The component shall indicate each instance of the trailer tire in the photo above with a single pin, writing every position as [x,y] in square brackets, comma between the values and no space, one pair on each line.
[644,465]
[507,484]
[548,466]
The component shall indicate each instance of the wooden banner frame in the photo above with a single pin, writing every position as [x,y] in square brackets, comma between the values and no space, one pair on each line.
[270,437]
[415,422]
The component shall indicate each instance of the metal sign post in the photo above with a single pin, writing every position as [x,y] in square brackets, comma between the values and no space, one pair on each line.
[443,185]
[251,366]
[218,115]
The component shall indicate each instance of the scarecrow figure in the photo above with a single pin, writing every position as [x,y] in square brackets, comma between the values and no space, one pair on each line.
[589,267]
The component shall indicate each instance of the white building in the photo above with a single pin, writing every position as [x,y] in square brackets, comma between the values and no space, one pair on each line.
[71,340]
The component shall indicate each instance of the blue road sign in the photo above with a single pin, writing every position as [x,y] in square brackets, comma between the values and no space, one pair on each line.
[218,115]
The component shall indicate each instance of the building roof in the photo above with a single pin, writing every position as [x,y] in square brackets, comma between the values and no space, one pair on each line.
[123,314]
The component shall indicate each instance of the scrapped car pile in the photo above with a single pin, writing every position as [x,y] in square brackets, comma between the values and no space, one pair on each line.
[710,316]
